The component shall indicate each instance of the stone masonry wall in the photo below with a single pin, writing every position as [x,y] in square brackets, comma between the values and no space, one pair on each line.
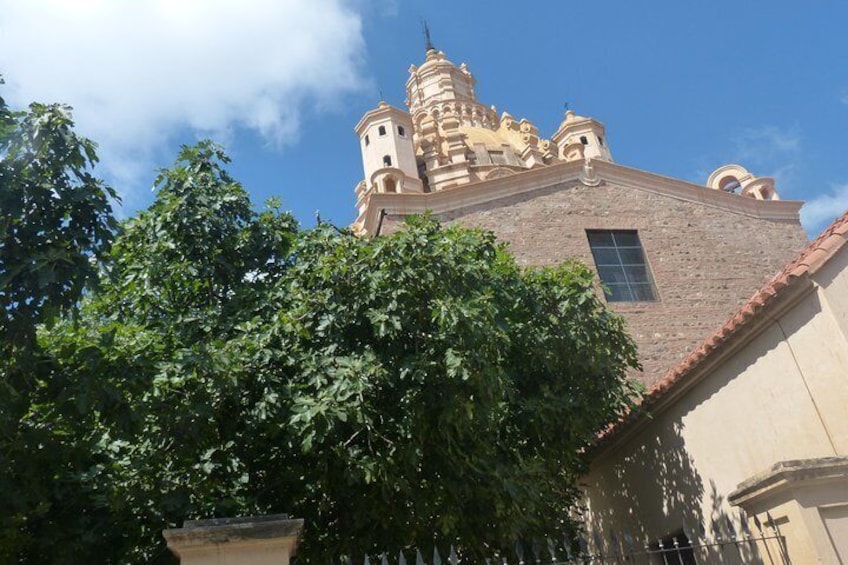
[705,261]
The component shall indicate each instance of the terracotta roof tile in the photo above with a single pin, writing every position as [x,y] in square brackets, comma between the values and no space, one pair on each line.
[808,261]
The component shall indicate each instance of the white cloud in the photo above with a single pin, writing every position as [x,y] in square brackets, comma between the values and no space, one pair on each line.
[771,151]
[138,71]
[818,212]
[767,145]
[779,153]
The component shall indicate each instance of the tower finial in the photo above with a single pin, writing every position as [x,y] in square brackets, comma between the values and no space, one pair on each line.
[428,46]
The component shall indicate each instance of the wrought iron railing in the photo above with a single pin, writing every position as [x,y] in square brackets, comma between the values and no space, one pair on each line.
[767,547]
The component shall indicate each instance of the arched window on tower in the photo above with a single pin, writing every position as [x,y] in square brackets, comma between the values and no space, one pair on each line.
[381,130]
[367,141]
[584,140]
[730,184]
[389,185]
[387,161]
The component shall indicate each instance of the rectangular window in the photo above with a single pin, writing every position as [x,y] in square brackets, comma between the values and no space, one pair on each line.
[497,157]
[674,548]
[621,265]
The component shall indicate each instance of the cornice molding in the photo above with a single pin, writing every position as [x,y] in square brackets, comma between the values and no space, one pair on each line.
[524,182]
[787,475]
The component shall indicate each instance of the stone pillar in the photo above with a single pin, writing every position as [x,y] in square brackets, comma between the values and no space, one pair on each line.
[255,540]
[806,502]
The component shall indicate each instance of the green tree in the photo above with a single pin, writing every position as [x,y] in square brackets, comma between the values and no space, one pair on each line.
[388,390]
[56,218]
[56,224]
[151,354]
[431,387]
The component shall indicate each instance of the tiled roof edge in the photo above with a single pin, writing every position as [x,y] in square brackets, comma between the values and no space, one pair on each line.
[812,258]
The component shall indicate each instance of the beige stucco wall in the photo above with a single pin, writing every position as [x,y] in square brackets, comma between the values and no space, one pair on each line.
[781,396]
[833,278]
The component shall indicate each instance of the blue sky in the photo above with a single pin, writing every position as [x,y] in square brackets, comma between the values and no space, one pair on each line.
[682,86]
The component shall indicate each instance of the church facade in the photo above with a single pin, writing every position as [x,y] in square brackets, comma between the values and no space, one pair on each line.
[676,258]
[725,429]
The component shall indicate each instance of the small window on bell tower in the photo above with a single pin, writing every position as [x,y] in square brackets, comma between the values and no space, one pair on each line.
[367,141]
[584,140]
[401,131]
[381,130]
[387,161]
[730,184]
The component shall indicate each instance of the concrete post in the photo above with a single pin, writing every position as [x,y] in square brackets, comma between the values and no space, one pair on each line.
[255,540]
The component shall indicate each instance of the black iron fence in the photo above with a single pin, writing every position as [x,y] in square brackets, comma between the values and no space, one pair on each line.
[768,546]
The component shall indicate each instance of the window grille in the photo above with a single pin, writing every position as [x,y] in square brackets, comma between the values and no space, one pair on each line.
[621,265]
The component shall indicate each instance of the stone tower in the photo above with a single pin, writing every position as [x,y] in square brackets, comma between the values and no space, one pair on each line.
[581,137]
[388,156]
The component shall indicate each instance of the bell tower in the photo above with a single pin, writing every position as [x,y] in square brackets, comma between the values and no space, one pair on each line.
[576,131]
[388,155]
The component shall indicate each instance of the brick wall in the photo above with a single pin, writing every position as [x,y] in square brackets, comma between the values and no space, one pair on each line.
[705,261]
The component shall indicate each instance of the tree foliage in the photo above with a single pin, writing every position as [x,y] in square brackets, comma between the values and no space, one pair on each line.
[56,218]
[387,390]
[56,224]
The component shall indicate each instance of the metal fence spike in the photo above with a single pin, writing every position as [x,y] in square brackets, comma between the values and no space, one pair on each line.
[770,522]
[419,559]
[552,550]
[367,561]
[452,558]
[743,521]
[437,559]
[615,545]
[629,542]
[568,544]
[583,545]
[401,558]
[758,523]
[384,560]
[537,550]
[519,552]
[687,531]
[598,541]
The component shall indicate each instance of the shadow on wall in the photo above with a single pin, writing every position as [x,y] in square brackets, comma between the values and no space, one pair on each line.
[653,500]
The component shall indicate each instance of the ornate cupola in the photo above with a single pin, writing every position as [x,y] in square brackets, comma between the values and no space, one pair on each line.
[448,139]
[443,105]
[579,137]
